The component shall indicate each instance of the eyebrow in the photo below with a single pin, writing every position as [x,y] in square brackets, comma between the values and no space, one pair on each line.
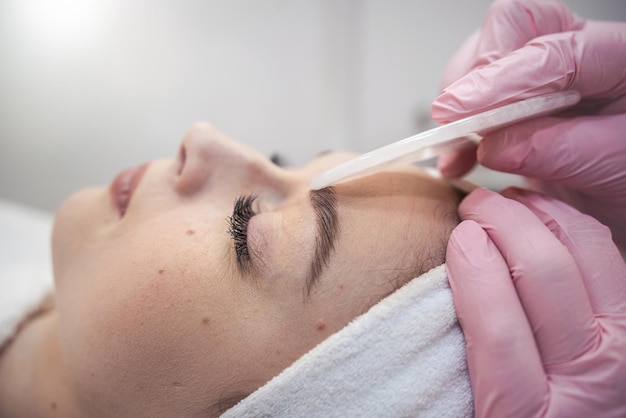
[324,204]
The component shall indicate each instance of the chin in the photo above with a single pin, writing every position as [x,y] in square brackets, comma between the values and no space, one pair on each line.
[75,222]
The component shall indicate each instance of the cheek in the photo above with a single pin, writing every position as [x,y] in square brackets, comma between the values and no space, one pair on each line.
[140,308]
[156,310]
[114,309]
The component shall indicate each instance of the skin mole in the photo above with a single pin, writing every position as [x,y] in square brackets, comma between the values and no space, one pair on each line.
[190,232]
[161,271]
[320,325]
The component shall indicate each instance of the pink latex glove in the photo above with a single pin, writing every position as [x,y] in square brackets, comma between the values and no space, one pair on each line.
[527,48]
[540,292]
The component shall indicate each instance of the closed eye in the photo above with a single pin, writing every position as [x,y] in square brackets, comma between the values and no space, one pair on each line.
[238,229]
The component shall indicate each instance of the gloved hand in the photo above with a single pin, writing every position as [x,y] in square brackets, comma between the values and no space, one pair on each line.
[540,292]
[527,48]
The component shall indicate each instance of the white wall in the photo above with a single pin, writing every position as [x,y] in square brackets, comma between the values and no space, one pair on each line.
[89,87]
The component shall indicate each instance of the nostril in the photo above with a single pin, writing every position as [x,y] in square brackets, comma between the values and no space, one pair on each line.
[182,157]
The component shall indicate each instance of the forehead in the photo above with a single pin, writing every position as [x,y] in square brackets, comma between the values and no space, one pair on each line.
[410,182]
[400,205]
[393,226]
[396,206]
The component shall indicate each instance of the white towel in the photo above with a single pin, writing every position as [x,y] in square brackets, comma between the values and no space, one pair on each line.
[25,267]
[405,357]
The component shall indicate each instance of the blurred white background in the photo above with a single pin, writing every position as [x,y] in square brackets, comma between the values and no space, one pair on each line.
[90,87]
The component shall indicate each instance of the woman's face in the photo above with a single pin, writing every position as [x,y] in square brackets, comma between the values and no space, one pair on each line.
[170,299]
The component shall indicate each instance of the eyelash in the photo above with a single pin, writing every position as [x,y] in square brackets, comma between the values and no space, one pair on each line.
[238,228]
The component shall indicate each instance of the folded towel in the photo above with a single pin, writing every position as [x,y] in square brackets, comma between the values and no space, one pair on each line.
[25,268]
[405,357]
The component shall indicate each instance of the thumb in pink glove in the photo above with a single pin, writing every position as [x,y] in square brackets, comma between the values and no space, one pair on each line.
[527,48]
[540,291]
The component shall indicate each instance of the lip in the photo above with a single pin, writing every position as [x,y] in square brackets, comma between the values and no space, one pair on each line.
[123,186]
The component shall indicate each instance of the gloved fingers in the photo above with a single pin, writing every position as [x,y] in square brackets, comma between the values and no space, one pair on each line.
[589,242]
[510,24]
[545,274]
[459,162]
[584,153]
[587,60]
[501,351]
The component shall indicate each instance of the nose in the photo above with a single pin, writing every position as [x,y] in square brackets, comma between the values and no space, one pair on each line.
[209,159]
